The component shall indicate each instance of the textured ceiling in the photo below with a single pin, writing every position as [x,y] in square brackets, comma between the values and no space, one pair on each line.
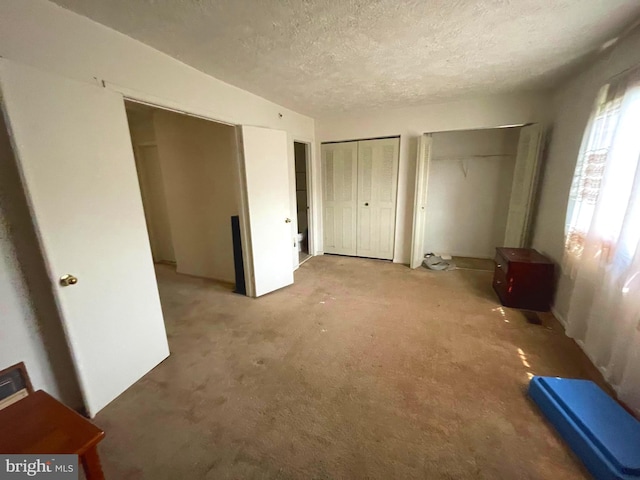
[325,56]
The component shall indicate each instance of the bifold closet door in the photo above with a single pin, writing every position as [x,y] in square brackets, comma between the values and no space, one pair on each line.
[339,179]
[377,186]
[523,188]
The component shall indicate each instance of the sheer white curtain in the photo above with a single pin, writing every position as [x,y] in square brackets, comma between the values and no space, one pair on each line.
[602,251]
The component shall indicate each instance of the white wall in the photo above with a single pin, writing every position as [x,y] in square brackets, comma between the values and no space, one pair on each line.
[468,192]
[409,123]
[43,35]
[573,102]
[198,160]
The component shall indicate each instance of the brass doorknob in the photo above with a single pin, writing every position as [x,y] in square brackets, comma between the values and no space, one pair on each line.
[288,220]
[67,280]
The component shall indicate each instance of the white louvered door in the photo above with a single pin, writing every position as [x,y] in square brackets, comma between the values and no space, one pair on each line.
[523,189]
[377,186]
[423,164]
[360,181]
[339,178]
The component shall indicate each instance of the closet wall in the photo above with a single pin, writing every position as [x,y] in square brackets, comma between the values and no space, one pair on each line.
[151,183]
[468,192]
[189,181]
[199,167]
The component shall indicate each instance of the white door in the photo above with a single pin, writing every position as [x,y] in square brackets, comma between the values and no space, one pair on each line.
[75,158]
[523,187]
[377,187]
[420,206]
[339,188]
[268,240]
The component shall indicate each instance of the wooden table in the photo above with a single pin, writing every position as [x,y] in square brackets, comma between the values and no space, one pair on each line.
[40,424]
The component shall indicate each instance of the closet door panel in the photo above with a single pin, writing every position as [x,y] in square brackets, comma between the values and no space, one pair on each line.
[339,173]
[523,189]
[377,187]
[387,230]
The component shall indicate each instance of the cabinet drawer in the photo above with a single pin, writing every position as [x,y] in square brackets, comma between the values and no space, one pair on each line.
[500,283]
[501,262]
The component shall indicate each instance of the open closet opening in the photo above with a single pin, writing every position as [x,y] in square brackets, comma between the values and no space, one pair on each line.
[301,153]
[468,191]
[474,192]
[187,172]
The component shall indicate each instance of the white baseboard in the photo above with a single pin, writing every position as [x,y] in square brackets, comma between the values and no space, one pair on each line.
[559,317]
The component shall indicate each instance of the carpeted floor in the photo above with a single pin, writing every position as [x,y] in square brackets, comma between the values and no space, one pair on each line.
[470,263]
[362,369]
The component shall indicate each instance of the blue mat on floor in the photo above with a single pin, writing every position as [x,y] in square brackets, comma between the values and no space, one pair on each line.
[596,427]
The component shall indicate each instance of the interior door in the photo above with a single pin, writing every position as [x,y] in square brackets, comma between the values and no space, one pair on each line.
[267,235]
[75,158]
[523,187]
[423,163]
[339,188]
[377,187]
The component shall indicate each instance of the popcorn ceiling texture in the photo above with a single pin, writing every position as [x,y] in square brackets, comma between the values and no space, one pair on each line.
[326,56]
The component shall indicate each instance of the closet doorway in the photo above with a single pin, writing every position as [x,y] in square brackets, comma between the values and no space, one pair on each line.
[187,171]
[475,191]
[303,200]
[360,182]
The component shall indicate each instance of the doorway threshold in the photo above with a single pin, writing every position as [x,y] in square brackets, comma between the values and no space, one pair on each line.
[303,257]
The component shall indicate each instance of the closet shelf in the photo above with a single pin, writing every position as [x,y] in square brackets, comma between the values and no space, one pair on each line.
[471,157]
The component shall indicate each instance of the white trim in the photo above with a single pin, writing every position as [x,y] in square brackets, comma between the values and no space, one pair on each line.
[305,260]
[243,211]
[309,156]
[150,100]
[601,369]
[559,317]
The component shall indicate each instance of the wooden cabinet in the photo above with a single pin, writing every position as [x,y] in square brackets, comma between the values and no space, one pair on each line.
[523,278]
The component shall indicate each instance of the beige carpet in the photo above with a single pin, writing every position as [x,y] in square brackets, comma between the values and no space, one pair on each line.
[470,263]
[362,369]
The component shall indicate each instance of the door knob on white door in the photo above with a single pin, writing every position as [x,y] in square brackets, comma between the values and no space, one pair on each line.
[288,220]
[68,280]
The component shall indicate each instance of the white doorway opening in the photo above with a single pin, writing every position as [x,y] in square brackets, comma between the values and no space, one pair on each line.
[304,240]
[475,190]
[188,178]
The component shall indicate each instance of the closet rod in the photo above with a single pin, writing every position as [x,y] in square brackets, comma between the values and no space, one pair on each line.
[468,157]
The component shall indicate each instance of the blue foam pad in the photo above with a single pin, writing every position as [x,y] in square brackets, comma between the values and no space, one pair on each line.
[596,427]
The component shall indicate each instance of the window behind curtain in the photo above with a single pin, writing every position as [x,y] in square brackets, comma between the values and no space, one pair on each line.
[603,205]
